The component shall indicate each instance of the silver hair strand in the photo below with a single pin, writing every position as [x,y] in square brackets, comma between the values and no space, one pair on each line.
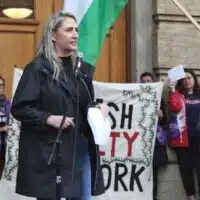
[46,46]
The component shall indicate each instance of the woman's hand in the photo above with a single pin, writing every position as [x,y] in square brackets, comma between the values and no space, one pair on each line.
[55,121]
[171,84]
[104,109]
[160,114]
[4,129]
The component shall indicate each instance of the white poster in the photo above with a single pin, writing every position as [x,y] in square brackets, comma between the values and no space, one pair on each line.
[17,76]
[127,161]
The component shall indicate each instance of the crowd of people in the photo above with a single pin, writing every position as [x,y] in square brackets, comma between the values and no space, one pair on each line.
[49,78]
[179,118]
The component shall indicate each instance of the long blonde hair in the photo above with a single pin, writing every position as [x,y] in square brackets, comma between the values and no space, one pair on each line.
[46,46]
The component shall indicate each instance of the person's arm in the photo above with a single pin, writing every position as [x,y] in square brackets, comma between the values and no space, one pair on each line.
[25,103]
[163,119]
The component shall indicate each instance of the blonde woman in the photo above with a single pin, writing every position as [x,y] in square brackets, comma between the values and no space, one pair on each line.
[46,92]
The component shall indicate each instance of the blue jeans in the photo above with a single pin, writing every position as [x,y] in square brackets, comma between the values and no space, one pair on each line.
[86,178]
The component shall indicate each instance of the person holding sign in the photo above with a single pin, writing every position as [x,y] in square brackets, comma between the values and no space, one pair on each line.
[176,73]
[185,102]
[52,86]
[4,117]
[160,152]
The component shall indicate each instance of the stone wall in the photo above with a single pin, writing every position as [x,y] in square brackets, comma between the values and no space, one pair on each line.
[168,7]
[176,40]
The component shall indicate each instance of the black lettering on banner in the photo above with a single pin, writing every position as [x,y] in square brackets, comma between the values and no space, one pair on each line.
[119,177]
[107,167]
[126,116]
[111,104]
[135,178]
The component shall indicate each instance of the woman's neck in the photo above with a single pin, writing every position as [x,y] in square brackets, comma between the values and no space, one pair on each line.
[190,91]
[63,52]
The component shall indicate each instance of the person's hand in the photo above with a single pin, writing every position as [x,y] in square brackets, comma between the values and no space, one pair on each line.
[160,114]
[171,84]
[55,121]
[104,109]
[4,129]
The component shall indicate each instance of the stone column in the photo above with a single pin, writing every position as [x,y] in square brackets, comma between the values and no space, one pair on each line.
[141,37]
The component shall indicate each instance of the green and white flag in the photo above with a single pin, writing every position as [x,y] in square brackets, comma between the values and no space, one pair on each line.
[95,17]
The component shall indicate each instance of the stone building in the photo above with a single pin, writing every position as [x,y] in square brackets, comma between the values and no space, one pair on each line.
[175,41]
[160,37]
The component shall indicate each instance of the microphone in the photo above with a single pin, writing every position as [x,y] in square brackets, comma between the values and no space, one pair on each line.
[79,60]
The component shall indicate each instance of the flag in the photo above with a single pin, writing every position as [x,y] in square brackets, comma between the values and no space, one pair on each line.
[94,17]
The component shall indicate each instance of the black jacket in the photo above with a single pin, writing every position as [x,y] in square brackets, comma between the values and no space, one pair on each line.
[160,157]
[37,97]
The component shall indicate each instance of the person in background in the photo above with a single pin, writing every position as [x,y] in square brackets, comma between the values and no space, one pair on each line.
[4,119]
[185,102]
[160,153]
[48,90]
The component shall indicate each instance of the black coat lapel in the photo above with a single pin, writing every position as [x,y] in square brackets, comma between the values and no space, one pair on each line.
[48,71]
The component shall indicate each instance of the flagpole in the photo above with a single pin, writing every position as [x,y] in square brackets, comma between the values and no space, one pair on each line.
[195,23]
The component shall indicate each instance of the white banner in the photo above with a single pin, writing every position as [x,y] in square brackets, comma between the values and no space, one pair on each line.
[127,161]
[17,76]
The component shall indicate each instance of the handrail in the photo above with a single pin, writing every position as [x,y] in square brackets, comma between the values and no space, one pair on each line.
[183,9]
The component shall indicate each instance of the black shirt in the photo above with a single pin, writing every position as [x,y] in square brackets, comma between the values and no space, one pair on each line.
[193,114]
[80,92]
